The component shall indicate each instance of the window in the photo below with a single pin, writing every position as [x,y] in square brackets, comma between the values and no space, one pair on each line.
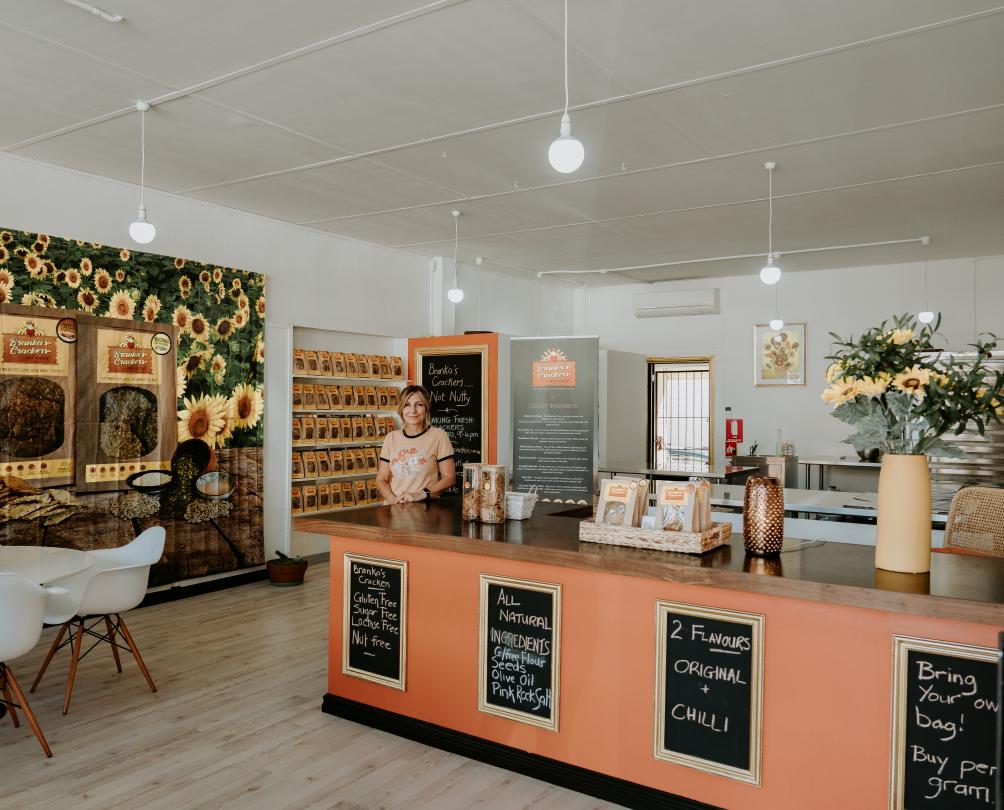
[680,404]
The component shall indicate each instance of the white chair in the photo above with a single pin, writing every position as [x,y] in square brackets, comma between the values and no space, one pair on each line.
[22,604]
[116,583]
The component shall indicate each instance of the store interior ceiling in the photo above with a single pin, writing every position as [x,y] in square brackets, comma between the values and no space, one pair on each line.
[373,119]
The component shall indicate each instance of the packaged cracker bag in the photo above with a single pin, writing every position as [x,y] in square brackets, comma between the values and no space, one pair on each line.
[310,498]
[297,464]
[324,358]
[313,362]
[676,507]
[616,506]
[37,395]
[337,364]
[127,410]
[323,496]
[296,500]
[299,362]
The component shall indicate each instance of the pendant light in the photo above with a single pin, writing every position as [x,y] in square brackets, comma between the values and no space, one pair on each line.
[926,316]
[455,294]
[566,153]
[142,231]
[771,273]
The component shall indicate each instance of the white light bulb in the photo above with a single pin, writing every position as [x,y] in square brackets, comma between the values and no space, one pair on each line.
[926,316]
[566,153]
[771,273]
[456,295]
[142,231]
[777,324]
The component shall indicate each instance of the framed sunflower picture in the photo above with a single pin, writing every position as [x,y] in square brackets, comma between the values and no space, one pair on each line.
[779,355]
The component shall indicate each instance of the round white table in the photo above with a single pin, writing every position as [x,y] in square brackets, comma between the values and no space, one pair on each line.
[43,564]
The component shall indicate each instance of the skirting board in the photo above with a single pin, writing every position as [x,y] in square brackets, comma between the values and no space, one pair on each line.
[581,780]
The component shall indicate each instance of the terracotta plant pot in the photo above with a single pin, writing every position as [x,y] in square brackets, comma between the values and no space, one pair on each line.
[286,574]
[903,536]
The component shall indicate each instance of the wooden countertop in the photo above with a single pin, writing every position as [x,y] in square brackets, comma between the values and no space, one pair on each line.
[959,587]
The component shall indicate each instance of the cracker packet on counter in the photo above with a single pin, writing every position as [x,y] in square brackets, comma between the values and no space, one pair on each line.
[676,507]
[703,490]
[617,503]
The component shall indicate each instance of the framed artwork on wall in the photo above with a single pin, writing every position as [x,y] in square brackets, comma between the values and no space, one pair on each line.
[779,355]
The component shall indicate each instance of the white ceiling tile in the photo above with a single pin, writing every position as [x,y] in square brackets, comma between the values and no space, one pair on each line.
[184,42]
[649,43]
[469,65]
[189,143]
[46,88]
[892,82]
[331,191]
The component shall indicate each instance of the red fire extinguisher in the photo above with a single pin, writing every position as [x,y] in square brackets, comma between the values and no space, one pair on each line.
[733,434]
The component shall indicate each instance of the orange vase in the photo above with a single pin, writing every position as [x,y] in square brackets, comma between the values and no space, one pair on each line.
[903,534]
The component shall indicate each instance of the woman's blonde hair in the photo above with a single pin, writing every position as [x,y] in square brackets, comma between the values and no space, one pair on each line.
[423,392]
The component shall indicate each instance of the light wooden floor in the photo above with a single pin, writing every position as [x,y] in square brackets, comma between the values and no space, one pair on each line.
[237,723]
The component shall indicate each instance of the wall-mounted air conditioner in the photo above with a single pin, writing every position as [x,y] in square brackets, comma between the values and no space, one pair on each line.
[675,302]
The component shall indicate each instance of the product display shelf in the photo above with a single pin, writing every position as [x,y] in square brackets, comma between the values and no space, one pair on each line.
[347,411]
[338,509]
[336,445]
[340,477]
[349,379]
[302,372]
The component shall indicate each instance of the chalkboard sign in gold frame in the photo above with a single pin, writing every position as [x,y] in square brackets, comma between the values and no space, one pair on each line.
[382,562]
[554,590]
[755,622]
[902,647]
[462,351]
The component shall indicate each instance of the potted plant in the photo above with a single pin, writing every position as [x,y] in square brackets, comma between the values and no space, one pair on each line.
[901,395]
[286,571]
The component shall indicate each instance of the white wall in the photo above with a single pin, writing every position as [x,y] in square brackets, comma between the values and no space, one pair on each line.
[513,303]
[968,292]
[314,279]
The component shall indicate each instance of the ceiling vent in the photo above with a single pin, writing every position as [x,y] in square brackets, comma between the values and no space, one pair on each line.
[675,303]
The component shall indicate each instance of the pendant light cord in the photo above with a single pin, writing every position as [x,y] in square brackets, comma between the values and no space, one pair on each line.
[566,57]
[770,215]
[926,305]
[456,244]
[142,158]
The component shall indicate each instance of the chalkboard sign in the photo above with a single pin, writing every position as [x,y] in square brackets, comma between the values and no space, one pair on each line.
[518,666]
[709,689]
[457,380]
[374,619]
[945,706]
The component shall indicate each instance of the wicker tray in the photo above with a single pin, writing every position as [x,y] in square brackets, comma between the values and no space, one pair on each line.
[689,542]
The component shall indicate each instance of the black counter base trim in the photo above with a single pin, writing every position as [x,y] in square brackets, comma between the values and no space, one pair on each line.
[581,780]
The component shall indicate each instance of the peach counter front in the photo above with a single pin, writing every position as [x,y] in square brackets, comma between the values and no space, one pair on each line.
[814,637]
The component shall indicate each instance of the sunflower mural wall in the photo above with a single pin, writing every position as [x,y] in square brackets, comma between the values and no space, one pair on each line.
[215,319]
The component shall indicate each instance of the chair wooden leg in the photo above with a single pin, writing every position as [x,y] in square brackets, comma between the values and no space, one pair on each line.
[52,652]
[111,640]
[7,696]
[28,713]
[135,651]
[74,659]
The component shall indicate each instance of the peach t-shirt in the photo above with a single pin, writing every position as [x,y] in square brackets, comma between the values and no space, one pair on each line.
[414,460]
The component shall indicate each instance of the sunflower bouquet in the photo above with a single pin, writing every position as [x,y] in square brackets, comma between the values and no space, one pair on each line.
[901,395]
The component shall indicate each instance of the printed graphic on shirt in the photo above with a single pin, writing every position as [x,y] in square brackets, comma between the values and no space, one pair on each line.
[408,462]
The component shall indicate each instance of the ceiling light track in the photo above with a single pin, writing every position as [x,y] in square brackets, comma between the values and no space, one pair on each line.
[97,12]
[924,240]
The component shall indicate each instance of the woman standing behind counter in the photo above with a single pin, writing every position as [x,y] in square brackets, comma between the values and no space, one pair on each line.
[416,462]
